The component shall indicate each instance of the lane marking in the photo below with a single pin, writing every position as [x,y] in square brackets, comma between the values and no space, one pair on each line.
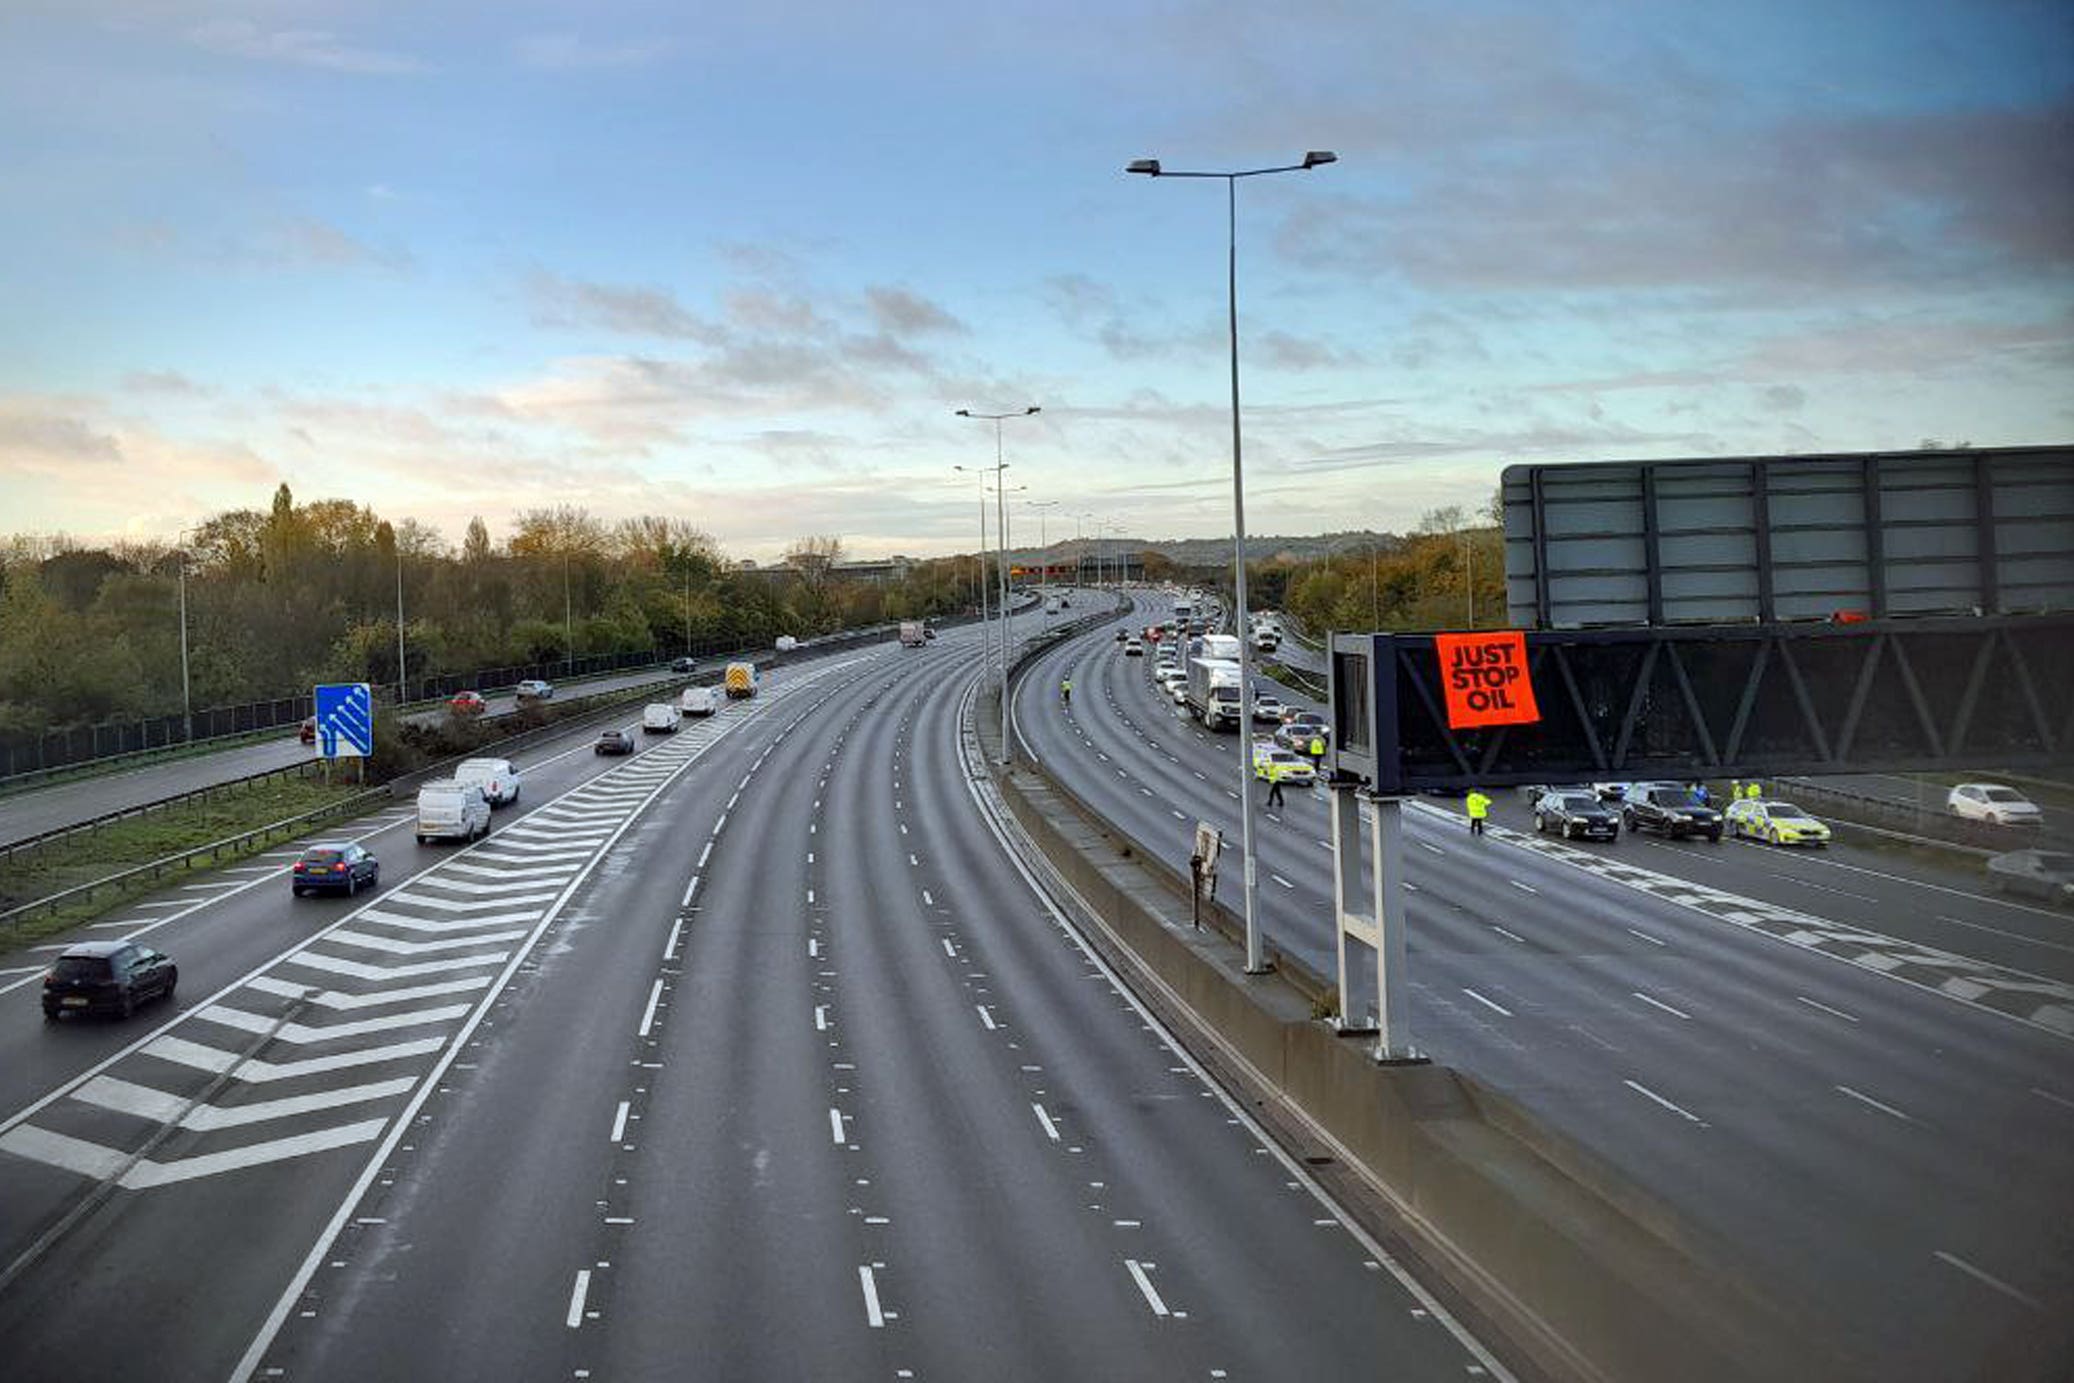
[1282,881]
[1653,941]
[1678,1110]
[985,1017]
[1882,1108]
[1051,1130]
[1832,1012]
[619,1122]
[1658,1003]
[577,1296]
[1495,1007]
[872,1315]
[1510,936]
[655,995]
[835,1126]
[2004,932]
[1433,848]
[1523,888]
[1989,1278]
[1159,1308]
[2060,1100]
[820,1018]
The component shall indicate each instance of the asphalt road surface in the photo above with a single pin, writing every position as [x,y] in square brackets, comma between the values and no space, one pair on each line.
[1856,1073]
[754,1056]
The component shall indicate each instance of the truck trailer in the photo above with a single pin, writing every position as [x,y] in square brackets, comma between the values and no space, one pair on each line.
[1213,693]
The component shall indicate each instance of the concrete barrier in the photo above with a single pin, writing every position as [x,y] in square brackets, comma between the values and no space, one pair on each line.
[1586,1275]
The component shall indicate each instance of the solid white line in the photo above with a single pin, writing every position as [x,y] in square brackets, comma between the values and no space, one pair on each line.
[1999,931]
[720,825]
[577,1294]
[1500,1008]
[872,1315]
[1514,936]
[1159,1308]
[676,931]
[655,995]
[1997,1283]
[1641,1089]
[2061,1100]
[985,1017]
[1867,1099]
[1051,1130]
[1832,1012]
[1524,888]
[835,1126]
[689,889]
[1645,936]
[619,1122]
[705,854]
[1658,1003]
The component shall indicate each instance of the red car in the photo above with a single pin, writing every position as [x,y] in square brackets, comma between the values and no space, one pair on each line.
[467,703]
[309,730]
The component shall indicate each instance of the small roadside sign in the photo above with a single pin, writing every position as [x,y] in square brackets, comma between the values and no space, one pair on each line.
[1485,678]
[345,720]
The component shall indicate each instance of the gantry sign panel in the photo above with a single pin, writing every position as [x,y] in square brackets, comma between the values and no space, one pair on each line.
[1771,539]
[1756,701]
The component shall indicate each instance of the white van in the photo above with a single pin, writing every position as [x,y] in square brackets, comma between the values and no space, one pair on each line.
[786,643]
[451,810]
[498,779]
[661,718]
[699,701]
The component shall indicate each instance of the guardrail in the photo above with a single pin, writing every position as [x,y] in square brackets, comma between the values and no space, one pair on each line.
[578,711]
[1924,820]
[247,782]
[182,859]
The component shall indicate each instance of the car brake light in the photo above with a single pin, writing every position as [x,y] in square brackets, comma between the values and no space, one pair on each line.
[338,869]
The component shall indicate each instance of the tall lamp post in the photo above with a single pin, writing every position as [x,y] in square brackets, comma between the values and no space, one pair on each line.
[986,625]
[1043,548]
[402,679]
[1256,959]
[186,697]
[1001,524]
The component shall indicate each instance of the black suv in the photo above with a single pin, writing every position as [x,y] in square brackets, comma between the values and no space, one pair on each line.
[1578,815]
[1672,811]
[106,977]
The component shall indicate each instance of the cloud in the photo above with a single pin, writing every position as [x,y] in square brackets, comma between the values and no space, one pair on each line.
[162,382]
[567,52]
[241,38]
[900,312]
[1279,350]
[307,241]
[634,311]
[1785,398]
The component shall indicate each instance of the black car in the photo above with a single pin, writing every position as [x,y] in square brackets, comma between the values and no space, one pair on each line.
[1671,811]
[614,742]
[1576,816]
[682,665]
[341,868]
[2047,875]
[106,977]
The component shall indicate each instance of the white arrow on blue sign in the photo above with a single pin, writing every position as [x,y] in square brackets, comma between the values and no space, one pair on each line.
[345,720]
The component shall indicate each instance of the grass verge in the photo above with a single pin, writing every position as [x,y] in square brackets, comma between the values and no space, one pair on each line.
[127,844]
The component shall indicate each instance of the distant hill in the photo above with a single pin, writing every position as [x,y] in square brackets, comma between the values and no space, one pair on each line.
[1211,552]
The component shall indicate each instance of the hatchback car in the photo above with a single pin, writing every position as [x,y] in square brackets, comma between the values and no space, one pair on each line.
[1780,823]
[1133,648]
[106,977]
[334,869]
[614,742]
[683,665]
[1993,803]
[534,689]
[1267,708]
[308,733]
[467,703]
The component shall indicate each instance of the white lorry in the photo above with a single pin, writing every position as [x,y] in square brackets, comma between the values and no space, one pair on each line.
[913,634]
[1213,693]
[1221,646]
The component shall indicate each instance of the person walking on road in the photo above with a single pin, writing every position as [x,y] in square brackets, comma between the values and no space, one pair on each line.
[1066,690]
[1274,789]
[1478,806]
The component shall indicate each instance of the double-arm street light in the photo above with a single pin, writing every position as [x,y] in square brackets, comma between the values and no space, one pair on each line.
[1001,524]
[1256,959]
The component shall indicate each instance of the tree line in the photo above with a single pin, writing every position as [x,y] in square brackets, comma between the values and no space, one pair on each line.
[299,593]
[1448,574]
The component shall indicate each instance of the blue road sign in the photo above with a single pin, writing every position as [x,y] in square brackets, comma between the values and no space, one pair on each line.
[345,721]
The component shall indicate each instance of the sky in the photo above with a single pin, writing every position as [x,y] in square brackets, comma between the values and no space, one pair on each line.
[741,264]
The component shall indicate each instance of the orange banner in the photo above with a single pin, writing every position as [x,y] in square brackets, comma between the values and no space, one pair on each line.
[1485,677]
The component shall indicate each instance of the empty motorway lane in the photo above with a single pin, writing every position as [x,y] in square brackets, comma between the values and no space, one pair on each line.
[753,1058]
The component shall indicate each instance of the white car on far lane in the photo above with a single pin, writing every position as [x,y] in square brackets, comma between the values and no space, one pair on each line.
[1991,802]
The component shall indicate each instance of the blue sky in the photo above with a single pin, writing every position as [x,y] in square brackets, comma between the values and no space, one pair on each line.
[739,264]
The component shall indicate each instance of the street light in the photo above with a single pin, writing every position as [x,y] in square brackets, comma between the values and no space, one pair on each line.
[1043,547]
[1001,524]
[1256,960]
[986,630]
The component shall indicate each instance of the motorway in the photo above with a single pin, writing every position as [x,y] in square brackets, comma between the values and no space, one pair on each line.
[32,811]
[1854,1073]
[756,1055]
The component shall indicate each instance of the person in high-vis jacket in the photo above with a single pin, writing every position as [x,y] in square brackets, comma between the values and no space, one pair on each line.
[1066,690]
[1478,806]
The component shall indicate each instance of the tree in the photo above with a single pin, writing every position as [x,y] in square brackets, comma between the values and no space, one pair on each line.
[814,557]
[475,548]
